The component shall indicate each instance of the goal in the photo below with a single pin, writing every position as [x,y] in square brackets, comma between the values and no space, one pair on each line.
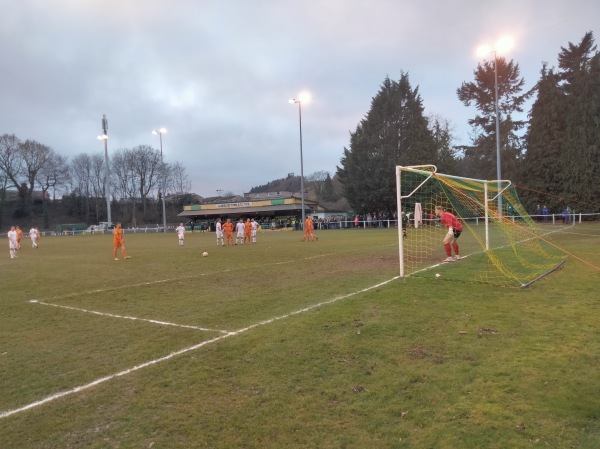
[500,243]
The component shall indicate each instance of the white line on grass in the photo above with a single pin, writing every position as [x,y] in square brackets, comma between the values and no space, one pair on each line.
[163,323]
[62,394]
[581,233]
[163,281]
[122,287]
[285,262]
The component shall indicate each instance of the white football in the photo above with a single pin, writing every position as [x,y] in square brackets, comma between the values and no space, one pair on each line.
[438,275]
[204,254]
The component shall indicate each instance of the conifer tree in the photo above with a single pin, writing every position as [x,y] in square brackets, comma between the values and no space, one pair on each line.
[580,75]
[542,170]
[481,154]
[394,132]
[446,157]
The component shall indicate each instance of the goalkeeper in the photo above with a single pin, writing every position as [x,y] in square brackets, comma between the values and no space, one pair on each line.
[454,230]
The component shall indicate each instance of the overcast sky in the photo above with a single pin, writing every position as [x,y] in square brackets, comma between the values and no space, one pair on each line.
[218,74]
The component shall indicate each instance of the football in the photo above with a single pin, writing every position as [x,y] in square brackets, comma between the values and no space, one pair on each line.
[204,254]
[438,275]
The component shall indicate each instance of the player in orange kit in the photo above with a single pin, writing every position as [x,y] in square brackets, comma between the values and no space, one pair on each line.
[247,230]
[228,228]
[118,242]
[19,237]
[309,230]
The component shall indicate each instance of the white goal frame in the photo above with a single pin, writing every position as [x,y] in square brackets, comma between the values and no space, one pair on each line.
[430,170]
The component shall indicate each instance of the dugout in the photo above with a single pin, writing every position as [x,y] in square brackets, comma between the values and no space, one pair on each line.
[70,228]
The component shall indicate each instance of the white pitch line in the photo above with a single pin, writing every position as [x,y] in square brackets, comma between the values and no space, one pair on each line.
[581,233]
[141,284]
[111,315]
[64,393]
[164,281]
[161,281]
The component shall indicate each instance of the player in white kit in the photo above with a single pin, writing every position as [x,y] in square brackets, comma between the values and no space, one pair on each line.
[254,227]
[219,230]
[13,244]
[33,235]
[180,230]
[239,227]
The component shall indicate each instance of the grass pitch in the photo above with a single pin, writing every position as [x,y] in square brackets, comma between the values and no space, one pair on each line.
[290,344]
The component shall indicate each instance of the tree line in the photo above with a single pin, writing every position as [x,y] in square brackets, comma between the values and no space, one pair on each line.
[553,156]
[137,176]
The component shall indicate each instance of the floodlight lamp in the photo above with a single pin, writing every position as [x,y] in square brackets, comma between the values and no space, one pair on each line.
[504,44]
[292,101]
[304,97]
[102,137]
[484,50]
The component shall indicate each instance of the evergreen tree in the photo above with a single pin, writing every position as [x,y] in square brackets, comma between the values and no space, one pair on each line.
[328,193]
[481,93]
[580,76]
[442,138]
[542,171]
[394,132]
[575,60]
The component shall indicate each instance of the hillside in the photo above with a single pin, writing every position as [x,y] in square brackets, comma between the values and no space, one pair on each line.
[291,183]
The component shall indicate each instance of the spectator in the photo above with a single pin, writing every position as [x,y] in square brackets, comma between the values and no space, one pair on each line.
[545,213]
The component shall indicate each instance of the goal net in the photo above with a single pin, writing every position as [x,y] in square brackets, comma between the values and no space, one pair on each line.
[500,244]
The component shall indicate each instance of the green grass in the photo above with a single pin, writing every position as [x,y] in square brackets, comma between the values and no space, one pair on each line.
[365,363]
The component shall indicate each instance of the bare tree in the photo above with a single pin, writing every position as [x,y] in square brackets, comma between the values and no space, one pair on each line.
[81,174]
[11,160]
[120,174]
[54,174]
[21,162]
[123,180]
[97,183]
[178,181]
[317,181]
[146,167]
[35,157]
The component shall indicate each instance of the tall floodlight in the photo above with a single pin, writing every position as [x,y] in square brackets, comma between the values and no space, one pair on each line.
[298,101]
[161,187]
[504,44]
[104,137]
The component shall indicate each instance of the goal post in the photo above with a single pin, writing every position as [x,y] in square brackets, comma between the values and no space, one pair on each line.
[498,246]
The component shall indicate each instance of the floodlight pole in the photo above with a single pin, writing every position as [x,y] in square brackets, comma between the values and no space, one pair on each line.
[498,164]
[161,187]
[293,100]
[104,137]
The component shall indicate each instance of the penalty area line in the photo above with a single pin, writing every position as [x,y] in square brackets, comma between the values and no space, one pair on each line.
[125,372]
[123,287]
[125,317]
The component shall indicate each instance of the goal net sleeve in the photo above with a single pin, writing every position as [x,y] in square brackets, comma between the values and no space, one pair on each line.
[418,215]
